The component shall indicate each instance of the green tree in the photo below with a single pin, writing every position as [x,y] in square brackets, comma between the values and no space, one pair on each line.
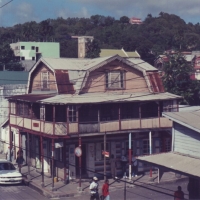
[124,19]
[92,49]
[176,78]
[8,61]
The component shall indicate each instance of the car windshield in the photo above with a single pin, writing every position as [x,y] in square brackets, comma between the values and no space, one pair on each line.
[7,166]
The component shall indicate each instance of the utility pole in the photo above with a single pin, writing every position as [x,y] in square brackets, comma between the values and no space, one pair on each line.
[104,156]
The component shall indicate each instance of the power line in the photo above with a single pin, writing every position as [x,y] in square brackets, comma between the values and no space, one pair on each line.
[6,4]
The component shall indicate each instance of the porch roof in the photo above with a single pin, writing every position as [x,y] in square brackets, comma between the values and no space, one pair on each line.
[108,98]
[30,97]
[174,161]
[189,119]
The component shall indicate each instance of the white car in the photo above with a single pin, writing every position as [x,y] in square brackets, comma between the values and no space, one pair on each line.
[8,173]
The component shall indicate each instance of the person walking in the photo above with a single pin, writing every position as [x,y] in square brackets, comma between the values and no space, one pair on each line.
[105,190]
[179,195]
[94,194]
[123,164]
[19,160]
[134,166]
[113,166]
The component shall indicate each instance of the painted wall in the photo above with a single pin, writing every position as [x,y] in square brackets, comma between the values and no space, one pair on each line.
[134,80]
[186,141]
[47,49]
[36,84]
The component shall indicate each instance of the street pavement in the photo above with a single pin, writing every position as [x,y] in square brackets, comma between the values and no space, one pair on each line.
[162,191]
[19,192]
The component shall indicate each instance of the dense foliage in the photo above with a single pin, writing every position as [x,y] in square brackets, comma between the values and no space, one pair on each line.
[176,79]
[151,38]
[156,34]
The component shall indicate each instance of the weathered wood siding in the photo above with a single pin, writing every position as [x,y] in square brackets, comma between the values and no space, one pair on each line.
[36,84]
[186,141]
[134,80]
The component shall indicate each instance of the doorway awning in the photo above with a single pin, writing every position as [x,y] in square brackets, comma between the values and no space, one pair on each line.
[175,162]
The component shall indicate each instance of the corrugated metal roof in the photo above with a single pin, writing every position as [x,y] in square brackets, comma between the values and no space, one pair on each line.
[189,58]
[120,52]
[13,77]
[86,64]
[30,97]
[174,162]
[107,98]
[189,119]
[142,64]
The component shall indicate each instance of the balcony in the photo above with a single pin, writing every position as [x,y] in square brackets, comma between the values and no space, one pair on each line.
[44,127]
[61,128]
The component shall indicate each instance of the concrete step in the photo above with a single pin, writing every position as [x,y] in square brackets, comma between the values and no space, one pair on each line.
[2,156]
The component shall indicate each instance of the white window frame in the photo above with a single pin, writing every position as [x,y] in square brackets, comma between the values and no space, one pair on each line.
[72,113]
[13,108]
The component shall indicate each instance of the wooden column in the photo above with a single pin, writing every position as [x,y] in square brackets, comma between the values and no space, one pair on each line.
[99,118]
[67,113]
[42,160]
[20,149]
[104,156]
[159,113]
[10,133]
[119,112]
[52,165]
[28,145]
[64,160]
[54,112]
[140,115]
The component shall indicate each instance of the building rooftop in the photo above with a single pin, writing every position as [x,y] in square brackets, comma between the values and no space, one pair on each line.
[13,77]
[120,52]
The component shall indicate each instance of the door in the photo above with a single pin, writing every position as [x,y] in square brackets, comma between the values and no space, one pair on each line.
[37,150]
[90,160]
[24,147]
[46,166]
[72,162]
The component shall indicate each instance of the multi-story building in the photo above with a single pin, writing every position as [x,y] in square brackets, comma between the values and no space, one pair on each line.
[30,52]
[11,83]
[73,101]
[135,20]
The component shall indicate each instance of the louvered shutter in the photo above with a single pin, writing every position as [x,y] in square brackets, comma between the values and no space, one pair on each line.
[115,80]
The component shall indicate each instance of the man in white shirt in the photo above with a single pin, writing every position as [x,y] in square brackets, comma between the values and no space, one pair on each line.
[94,194]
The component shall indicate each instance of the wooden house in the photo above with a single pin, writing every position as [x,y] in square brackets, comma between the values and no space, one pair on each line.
[77,101]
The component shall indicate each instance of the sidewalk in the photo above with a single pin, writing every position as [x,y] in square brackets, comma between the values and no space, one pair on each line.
[71,189]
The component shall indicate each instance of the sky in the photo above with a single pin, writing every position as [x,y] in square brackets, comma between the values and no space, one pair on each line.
[21,11]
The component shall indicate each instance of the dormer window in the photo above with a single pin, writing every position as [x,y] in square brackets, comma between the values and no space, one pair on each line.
[115,80]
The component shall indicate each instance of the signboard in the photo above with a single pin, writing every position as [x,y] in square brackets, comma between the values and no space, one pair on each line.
[78,151]
[58,144]
[106,154]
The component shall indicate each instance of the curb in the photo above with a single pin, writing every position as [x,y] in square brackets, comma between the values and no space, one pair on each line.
[50,194]
[45,192]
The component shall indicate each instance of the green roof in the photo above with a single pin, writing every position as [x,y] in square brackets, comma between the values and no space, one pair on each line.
[120,52]
[13,77]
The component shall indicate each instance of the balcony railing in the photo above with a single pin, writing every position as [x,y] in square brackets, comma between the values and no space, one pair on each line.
[88,127]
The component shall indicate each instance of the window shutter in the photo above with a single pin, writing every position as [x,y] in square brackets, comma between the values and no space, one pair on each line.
[115,80]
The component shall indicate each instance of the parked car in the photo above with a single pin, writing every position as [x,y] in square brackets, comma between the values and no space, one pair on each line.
[8,173]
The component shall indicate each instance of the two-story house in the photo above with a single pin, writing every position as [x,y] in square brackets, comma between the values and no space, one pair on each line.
[80,100]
